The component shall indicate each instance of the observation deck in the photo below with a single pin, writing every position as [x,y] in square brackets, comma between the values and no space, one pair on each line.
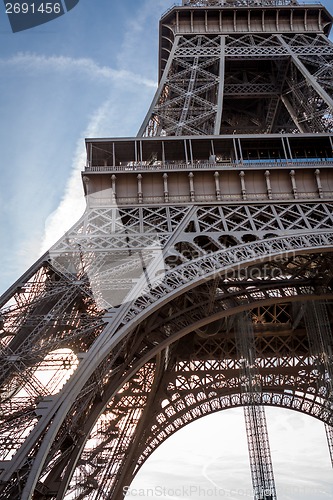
[169,170]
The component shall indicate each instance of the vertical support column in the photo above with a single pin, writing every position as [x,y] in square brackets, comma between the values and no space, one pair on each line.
[113,188]
[217,186]
[243,187]
[268,184]
[318,181]
[90,156]
[240,150]
[86,181]
[255,420]
[218,116]
[320,337]
[259,453]
[293,183]
[185,151]
[140,194]
[191,181]
[188,96]
[165,187]
[149,116]
[235,149]
[191,152]
[329,435]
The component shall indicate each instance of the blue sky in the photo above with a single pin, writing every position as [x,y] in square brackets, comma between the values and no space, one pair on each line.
[93,73]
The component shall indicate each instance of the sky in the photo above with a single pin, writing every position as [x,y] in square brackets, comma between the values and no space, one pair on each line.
[93,73]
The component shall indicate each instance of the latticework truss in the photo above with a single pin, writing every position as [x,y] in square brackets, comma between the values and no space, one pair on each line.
[125,331]
[189,98]
[244,83]
[329,434]
[255,419]
[59,320]
[320,336]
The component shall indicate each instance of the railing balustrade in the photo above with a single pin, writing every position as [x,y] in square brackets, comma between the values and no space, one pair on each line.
[207,165]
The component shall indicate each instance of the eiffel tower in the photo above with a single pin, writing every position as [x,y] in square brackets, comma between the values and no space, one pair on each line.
[200,276]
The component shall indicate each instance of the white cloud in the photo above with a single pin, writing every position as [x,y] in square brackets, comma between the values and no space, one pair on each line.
[34,62]
[72,204]
[129,88]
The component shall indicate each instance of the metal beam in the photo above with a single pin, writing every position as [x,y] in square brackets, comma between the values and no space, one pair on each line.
[307,75]
[292,113]
[255,421]
[220,90]
[158,92]
[329,435]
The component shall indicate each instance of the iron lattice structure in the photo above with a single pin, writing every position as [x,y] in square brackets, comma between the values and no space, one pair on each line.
[222,206]
[254,413]
[259,452]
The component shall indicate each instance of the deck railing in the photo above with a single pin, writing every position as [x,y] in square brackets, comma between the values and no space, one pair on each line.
[206,165]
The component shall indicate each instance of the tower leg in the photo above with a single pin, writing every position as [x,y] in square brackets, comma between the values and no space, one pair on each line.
[329,434]
[321,342]
[255,419]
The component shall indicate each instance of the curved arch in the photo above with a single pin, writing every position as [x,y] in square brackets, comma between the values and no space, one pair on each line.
[274,400]
[188,409]
[206,267]
[195,409]
[174,283]
[189,321]
[273,392]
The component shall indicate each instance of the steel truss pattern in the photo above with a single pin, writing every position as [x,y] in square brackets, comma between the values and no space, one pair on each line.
[321,341]
[329,434]
[255,420]
[284,82]
[132,325]
[58,319]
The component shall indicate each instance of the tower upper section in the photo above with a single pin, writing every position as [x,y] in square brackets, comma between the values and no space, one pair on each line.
[228,17]
[243,66]
[247,89]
